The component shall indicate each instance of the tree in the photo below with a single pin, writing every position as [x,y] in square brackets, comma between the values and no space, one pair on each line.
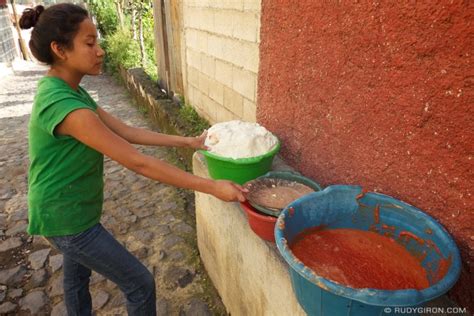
[138,9]
[134,19]
[140,34]
[119,8]
[106,14]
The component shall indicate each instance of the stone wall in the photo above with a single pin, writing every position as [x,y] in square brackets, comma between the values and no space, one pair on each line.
[221,45]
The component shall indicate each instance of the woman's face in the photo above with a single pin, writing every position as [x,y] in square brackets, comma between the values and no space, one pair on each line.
[86,56]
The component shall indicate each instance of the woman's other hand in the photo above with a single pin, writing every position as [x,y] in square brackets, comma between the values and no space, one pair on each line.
[198,141]
[228,191]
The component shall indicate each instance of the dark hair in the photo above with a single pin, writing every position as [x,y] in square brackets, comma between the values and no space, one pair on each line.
[58,23]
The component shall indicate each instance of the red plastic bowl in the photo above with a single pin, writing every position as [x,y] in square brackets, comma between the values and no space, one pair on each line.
[262,225]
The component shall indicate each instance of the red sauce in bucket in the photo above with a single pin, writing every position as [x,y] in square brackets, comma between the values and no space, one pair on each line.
[359,259]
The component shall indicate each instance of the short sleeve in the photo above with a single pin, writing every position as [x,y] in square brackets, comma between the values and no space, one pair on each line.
[53,114]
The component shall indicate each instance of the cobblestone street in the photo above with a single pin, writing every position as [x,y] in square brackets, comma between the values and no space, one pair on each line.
[154,221]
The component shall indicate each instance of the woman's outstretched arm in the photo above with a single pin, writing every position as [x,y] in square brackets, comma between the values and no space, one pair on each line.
[142,136]
[88,128]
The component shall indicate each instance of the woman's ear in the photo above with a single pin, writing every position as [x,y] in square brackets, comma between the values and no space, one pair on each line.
[58,50]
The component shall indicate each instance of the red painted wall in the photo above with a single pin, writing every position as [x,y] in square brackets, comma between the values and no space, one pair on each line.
[379,95]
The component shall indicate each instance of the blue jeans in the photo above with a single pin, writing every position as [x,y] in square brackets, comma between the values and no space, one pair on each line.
[96,249]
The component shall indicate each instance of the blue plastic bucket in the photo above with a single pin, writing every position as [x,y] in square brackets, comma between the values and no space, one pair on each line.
[343,206]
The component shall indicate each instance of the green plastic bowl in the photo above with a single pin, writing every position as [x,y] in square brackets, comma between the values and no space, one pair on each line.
[239,170]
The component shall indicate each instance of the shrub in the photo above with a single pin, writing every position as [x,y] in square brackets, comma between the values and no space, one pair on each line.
[121,50]
[117,41]
[106,15]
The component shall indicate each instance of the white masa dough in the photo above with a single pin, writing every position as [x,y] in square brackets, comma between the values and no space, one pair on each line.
[238,139]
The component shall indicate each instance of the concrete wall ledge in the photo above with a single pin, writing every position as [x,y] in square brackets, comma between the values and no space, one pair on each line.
[248,272]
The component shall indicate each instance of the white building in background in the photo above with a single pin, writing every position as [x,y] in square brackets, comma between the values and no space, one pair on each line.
[7,42]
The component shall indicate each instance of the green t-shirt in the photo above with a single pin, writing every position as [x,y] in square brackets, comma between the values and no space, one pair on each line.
[65,178]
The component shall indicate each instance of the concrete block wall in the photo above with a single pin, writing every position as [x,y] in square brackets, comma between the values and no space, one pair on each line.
[221,40]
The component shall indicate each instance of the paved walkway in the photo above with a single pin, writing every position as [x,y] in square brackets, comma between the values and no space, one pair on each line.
[154,221]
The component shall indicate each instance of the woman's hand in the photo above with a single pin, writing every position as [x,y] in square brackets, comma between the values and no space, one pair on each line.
[198,141]
[228,191]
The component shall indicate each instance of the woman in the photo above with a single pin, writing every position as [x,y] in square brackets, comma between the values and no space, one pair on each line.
[68,136]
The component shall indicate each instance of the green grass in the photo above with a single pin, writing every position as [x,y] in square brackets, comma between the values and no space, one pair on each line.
[195,124]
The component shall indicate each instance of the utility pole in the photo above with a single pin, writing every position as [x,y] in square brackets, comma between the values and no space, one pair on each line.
[140,34]
[24,50]
[134,18]
[119,8]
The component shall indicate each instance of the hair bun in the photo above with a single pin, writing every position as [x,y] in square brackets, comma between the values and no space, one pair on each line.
[30,17]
